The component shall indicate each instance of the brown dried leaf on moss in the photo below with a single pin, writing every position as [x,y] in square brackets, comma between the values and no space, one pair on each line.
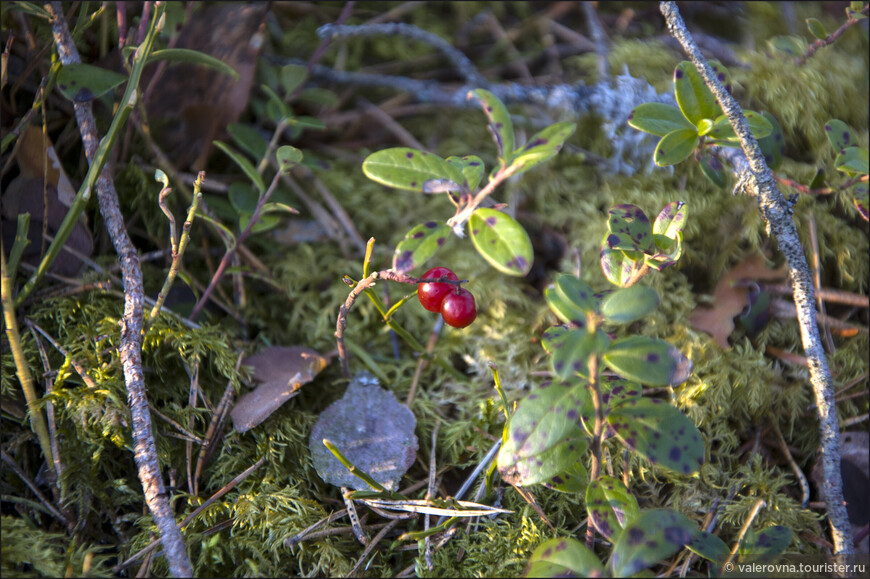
[731,297]
[372,429]
[281,371]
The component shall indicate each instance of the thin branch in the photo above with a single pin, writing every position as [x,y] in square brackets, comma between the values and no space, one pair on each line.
[130,350]
[821,43]
[758,178]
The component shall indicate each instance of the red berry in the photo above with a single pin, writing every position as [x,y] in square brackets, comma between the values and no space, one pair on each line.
[458,309]
[431,294]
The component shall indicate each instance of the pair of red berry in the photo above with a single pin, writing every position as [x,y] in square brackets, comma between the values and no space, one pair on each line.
[455,303]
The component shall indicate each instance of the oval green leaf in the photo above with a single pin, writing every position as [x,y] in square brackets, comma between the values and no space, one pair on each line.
[839,134]
[712,169]
[566,310]
[767,545]
[654,536]
[571,481]
[501,241]
[193,57]
[790,45]
[542,146]
[571,354]
[693,97]
[292,77]
[658,119]
[249,139]
[861,201]
[409,169]
[553,337]
[243,198]
[288,157]
[629,304]
[648,361]
[614,391]
[545,438]
[563,557]
[578,292]
[671,220]
[472,168]
[244,164]
[853,161]
[81,82]
[500,124]
[676,147]
[419,244]
[618,268]
[773,145]
[816,28]
[710,547]
[660,433]
[630,230]
[610,506]
[758,125]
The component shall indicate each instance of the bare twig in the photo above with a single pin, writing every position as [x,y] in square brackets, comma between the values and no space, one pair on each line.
[777,214]
[759,504]
[32,486]
[130,350]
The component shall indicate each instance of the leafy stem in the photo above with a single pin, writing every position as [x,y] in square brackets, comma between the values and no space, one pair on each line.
[463,213]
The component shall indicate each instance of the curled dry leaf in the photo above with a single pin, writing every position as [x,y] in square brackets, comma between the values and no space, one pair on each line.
[281,371]
[24,194]
[371,429]
[731,297]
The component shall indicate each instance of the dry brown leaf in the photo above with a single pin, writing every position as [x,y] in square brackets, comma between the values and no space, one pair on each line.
[730,297]
[281,371]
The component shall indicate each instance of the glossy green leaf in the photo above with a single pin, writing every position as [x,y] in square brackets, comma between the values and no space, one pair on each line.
[288,157]
[243,198]
[693,97]
[670,221]
[666,258]
[853,161]
[500,124]
[472,168]
[816,28]
[501,241]
[618,268]
[249,139]
[630,230]
[571,481]
[773,145]
[767,545]
[722,74]
[543,146]
[193,57]
[565,309]
[572,350]
[576,292]
[81,82]
[648,361]
[563,557]
[629,304]
[419,244]
[653,537]
[292,77]
[409,169]
[614,391]
[553,337]
[790,45]
[545,437]
[675,147]
[660,433]
[758,125]
[610,506]
[244,165]
[658,119]
[710,547]
[839,135]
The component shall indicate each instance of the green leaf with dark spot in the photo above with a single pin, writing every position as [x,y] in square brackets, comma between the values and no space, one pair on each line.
[614,391]
[472,168]
[767,545]
[861,201]
[292,77]
[670,222]
[714,175]
[563,557]
[653,537]
[839,135]
[542,146]
[81,82]
[249,139]
[288,157]
[693,97]
[790,45]
[629,304]
[566,310]
[571,299]
[571,481]
[553,337]
[244,165]
[409,169]
[658,119]
[618,268]
[193,57]
[816,28]
[648,361]
[629,230]
[419,244]
[610,506]
[500,123]
[710,547]
[676,147]
[573,350]
[758,125]
[773,145]
[660,433]
[852,161]
[545,437]
[501,241]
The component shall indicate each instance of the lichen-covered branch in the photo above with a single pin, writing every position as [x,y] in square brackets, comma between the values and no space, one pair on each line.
[758,178]
[130,349]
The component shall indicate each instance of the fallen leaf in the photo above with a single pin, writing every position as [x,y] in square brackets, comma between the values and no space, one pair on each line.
[732,296]
[281,371]
[371,429]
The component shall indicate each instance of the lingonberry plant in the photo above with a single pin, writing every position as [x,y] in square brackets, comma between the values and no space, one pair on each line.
[432,294]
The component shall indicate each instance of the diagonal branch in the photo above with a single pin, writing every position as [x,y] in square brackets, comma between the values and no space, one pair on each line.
[758,178]
[130,350]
